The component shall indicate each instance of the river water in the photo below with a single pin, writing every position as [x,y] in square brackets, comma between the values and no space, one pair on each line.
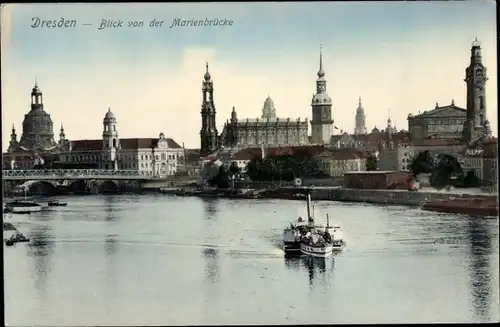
[156,259]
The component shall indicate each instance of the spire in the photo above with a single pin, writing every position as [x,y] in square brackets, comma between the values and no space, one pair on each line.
[207,74]
[321,72]
[13,129]
[389,119]
[62,128]
[36,82]
[359,102]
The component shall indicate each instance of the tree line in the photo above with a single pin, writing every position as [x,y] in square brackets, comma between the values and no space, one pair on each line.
[445,170]
[271,168]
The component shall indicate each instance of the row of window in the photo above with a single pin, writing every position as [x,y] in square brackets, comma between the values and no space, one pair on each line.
[163,156]
[448,121]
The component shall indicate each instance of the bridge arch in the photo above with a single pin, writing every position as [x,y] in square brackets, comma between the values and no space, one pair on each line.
[108,187]
[77,186]
[39,187]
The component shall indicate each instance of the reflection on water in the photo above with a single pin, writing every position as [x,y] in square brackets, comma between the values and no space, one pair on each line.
[481,252]
[40,249]
[211,256]
[110,245]
[111,214]
[315,266]
[210,207]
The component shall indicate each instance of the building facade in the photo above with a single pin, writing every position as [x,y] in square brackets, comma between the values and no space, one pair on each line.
[157,157]
[397,158]
[336,163]
[490,162]
[442,122]
[321,104]
[268,130]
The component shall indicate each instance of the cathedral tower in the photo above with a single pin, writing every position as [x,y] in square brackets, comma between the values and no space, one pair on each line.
[475,78]
[208,134]
[62,135]
[110,141]
[322,122]
[13,140]
[360,119]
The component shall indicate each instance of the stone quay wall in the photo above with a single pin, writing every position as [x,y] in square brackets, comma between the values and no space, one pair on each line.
[393,197]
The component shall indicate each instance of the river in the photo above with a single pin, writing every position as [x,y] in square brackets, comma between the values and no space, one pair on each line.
[157,259]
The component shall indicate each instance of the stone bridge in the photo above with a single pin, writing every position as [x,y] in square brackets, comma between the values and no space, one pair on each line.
[74,180]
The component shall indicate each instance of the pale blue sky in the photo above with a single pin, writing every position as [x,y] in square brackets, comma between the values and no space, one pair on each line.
[405,56]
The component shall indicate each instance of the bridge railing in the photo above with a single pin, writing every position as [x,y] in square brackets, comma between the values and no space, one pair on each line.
[61,173]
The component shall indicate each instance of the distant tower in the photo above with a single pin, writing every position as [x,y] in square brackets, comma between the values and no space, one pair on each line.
[233,129]
[322,122]
[360,119]
[208,133]
[475,78]
[110,141]
[389,129]
[13,140]
[268,110]
[62,136]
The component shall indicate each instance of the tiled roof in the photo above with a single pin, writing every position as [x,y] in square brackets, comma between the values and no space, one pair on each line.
[127,144]
[138,143]
[374,139]
[346,154]
[18,156]
[438,142]
[86,145]
[448,109]
[145,143]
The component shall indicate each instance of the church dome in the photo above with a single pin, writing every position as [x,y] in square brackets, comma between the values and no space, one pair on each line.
[268,110]
[109,115]
[38,130]
[375,130]
[321,98]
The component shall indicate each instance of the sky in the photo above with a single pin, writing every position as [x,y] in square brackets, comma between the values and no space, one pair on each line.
[399,57]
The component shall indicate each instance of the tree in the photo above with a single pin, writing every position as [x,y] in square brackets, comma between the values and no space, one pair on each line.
[221,179]
[234,169]
[422,163]
[283,167]
[372,163]
[445,166]
[471,179]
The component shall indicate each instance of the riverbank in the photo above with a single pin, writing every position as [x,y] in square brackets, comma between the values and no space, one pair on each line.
[373,196]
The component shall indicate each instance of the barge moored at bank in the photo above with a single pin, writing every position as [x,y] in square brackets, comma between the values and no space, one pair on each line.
[469,206]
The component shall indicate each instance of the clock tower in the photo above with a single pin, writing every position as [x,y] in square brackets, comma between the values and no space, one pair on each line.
[475,78]
[322,122]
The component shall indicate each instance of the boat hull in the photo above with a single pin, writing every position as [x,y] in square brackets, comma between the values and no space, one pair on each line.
[322,251]
[291,247]
[24,209]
